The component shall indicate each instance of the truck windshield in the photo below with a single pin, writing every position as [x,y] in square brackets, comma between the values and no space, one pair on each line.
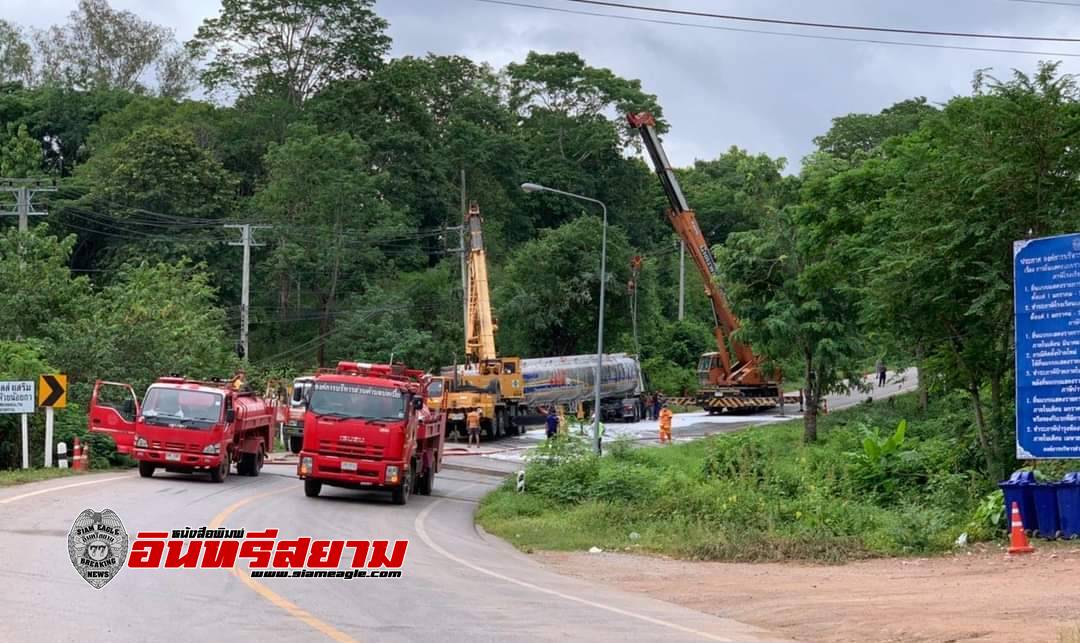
[344,400]
[300,387]
[196,409]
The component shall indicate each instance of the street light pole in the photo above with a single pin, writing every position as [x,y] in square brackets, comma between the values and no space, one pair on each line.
[533,187]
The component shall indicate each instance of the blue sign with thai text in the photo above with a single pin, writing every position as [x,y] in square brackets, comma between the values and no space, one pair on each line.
[1047,307]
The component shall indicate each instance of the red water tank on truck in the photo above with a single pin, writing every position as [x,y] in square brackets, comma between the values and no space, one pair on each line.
[186,426]
[368,426]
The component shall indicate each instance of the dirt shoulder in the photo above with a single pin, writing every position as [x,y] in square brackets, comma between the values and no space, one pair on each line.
[981,595]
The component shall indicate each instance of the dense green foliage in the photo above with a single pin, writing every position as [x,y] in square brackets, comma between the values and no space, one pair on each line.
[892,240]
[872,485]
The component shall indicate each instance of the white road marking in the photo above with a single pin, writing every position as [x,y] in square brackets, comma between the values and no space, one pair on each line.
[60,488]
[419,526]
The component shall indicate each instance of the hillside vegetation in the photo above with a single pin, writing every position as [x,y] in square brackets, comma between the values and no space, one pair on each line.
[860,491]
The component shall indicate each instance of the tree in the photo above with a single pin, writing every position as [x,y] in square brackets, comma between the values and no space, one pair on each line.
[424,120]
[573,135]
[789,292]
[547,294]
[35,284]
[990,169]
[20,156]
[101,48]
[856,135]
[176,73]
[330,220]
[156,318]
[290,48]
[16,59]
[733,192]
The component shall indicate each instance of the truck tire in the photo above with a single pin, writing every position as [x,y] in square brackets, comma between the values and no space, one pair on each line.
[400,493]
[222,472]
[426,483]
[248,464]
[146,469]
[260,460]
[312,488]
[296,443]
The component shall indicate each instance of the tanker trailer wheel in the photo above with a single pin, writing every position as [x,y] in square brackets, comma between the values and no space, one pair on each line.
[260,460]
[222,472]
[146,469]
[296,442]
[312,488]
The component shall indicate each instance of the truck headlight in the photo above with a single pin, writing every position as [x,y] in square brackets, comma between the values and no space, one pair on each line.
[141,443]
[212,449]
[305,465]
[392,474]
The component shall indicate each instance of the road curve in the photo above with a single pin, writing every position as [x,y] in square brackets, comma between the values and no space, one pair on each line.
[458,584]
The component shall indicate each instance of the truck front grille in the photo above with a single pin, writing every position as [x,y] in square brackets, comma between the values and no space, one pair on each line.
[360,451]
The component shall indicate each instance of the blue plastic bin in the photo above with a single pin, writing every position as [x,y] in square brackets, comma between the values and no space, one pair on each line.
[1019,488]
[1046,509]
[1068,500]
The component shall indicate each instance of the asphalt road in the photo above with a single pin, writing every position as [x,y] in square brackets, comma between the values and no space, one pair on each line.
[458,584]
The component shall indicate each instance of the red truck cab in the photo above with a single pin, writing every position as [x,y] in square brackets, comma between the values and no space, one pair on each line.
[186,426]
[368,426]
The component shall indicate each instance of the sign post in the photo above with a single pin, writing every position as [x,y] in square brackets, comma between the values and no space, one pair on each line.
[52,394]
[25,444]
[1046,277]
[18,397]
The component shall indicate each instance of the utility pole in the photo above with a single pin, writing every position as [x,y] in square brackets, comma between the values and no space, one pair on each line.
[247,241]
[461,247]
[24,190]
[682,279]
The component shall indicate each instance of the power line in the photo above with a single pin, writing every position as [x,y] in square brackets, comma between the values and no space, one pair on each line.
[819,25]
[1051,2]
[872,41]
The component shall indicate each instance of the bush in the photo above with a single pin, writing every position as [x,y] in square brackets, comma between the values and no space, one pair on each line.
[759,494]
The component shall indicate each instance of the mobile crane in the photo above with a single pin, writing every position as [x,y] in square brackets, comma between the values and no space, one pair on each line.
[491,383]
[724,383]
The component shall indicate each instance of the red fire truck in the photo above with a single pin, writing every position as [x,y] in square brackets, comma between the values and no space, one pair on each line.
[186,426]
[368,426]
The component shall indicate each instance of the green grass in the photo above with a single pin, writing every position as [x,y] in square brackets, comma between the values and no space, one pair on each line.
[23,476]
[759,494]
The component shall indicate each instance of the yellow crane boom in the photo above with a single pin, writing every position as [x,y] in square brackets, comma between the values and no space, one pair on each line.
[480,326]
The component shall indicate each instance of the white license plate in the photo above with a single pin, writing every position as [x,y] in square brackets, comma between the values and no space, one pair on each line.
[172,457]
[457,416]
[348,466]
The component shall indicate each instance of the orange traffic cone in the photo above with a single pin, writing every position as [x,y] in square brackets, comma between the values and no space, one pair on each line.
[1018,541]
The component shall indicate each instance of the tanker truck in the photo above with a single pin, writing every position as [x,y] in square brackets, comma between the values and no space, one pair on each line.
[571,380]
[186,426]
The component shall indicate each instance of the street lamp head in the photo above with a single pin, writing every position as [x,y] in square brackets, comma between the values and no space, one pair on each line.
[532,187]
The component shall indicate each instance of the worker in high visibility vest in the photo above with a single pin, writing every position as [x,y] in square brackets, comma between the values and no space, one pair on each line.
[472,423]
[665,424]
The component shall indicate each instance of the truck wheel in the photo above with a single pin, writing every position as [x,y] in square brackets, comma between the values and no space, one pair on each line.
[260,460]
[312,488]
[222,472]
[146,469]
[296,443]
[248,464]
[426,483]
[400,494]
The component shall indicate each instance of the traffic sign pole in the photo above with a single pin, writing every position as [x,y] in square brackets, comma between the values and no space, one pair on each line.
[48,436]
[25,444]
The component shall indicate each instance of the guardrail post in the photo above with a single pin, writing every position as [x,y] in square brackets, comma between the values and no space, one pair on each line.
[521,481]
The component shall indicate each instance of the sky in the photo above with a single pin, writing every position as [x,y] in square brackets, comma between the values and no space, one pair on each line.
[762,92]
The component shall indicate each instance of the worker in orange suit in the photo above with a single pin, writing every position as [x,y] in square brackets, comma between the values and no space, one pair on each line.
[665,424]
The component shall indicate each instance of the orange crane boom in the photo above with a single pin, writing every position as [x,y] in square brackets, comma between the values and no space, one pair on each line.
[718,370]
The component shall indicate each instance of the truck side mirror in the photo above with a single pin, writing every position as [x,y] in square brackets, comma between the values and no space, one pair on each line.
[230,415]
[418,403]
